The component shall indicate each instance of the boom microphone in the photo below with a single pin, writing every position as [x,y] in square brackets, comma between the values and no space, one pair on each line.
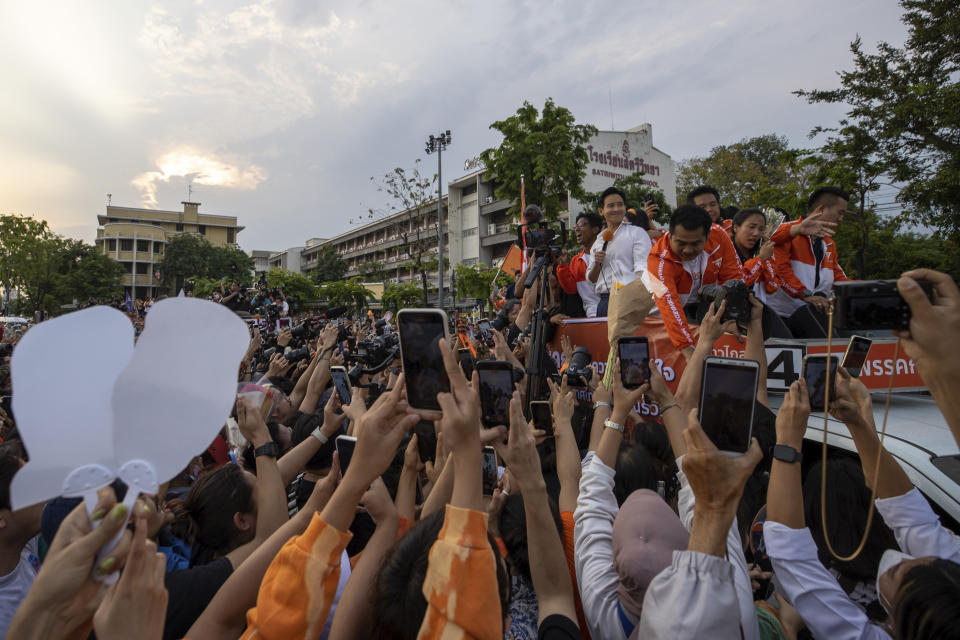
[607,237]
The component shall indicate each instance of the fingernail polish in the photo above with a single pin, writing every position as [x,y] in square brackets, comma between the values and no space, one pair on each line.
[119,512]
[98,514]
[146,507]
[107,565]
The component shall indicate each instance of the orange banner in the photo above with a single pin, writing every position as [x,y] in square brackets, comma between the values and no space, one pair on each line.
[513,261]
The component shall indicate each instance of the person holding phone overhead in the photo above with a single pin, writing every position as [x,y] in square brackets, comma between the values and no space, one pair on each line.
[627,245]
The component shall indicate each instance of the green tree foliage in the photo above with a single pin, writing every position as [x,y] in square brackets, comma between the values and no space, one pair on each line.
[188,256]
[351,293]
[400,296]
[547,149]
[330,266]
[637,194]
[474,281]
[298,288]
[907,100]
[891,251]
[755,172]
[48,270]
[373,271]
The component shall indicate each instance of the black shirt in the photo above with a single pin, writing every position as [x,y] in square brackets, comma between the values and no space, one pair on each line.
[190,591]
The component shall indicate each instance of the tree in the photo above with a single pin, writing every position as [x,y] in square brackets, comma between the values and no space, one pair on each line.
[373,271]
[184,257]
[230,263]
[298,288]
[547,149]
[906,99]
[330,266]
[412,193]
[19,236]
[351,293]
[86,273]
[755,172]
[474,281]
[400,296]
[637,194]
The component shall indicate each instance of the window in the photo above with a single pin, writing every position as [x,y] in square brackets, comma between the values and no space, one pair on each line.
[469,262]
[202,228]
[157,247]
[143,245]
[469,232]
[128,266]
[143,268]
[111,245]
[112,220]
[179,226]
[126,245]
[230,233]
[469,189]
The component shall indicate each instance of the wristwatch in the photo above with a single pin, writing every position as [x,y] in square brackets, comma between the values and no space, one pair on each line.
[270,449]
[786,453]
[601,403]
[610,424]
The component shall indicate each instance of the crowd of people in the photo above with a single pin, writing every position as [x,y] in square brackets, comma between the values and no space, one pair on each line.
[604,526]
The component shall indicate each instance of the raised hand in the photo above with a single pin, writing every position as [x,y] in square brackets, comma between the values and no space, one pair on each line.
[379,433]
[816,227]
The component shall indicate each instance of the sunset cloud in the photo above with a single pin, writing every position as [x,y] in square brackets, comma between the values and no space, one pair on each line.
[202,168]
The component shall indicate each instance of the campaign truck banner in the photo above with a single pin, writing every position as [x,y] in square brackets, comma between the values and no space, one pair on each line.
[784,358]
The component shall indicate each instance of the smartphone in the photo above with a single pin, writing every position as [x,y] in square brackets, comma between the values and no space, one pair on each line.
[856,355]
[496,389]
[466,362]
[490,476]
[728,398]
[634,354]
[542,416]
[342,383]
[420,332]
[426,440]
[815,374]
[345,447]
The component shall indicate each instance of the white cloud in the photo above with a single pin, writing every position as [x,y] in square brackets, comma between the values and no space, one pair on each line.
[202,167]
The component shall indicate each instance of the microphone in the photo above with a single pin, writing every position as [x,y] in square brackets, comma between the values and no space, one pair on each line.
[607,237]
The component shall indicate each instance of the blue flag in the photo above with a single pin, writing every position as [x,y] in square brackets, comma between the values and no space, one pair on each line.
[128,303]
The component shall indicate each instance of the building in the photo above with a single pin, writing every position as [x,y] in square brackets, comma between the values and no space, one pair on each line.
[288,259]
[261,262]
[136,239]
[310,254]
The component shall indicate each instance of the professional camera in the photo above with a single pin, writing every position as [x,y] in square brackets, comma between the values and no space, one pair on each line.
[296,355]
[578,371]
[308,329]
[873,304]
[737,295]
[376,351]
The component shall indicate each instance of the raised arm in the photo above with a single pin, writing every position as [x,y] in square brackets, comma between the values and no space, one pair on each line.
[688,389]
[568,456]
[292,462]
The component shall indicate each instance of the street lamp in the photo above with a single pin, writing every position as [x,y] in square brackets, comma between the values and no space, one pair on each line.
[438,144]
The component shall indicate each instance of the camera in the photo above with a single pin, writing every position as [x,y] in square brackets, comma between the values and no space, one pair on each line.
[578,370]
[375,351]
[306,330]
[296,355]
[737,295]
[873,304]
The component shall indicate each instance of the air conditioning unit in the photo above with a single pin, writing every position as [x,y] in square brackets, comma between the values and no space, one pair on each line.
[489,199]
[491,228]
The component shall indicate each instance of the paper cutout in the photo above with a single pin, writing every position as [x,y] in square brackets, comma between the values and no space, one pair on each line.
[90,407]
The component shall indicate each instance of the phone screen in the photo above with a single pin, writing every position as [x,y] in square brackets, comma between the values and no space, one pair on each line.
[496,389]
[542,416]
[815,374]
[342,384]
[466,362]
[490,478]
[345,447]
[856,355]
[426,441]
[485,325]
[727,402]
[420,332]
[634,356]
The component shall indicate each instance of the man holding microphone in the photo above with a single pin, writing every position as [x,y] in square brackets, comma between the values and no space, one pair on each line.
[627,245]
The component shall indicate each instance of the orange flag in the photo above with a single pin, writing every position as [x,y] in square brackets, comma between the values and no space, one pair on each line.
[513,260]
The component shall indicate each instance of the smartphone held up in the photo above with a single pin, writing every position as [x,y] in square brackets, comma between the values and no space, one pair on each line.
[728,397]
[420,333]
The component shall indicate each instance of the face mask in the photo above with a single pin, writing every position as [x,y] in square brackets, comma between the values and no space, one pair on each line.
[890,559]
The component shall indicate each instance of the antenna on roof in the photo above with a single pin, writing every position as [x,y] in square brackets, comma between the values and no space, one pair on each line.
[109,197]
[190,192]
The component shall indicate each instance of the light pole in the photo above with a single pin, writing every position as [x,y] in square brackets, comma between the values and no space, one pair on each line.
[438,144]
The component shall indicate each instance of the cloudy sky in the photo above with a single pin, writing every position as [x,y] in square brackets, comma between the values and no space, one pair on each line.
[280,111]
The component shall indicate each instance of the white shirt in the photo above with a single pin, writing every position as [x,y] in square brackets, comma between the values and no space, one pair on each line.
[587,290]
[15,585]
[597,574]
[626,258]
[741,574]
[823,605]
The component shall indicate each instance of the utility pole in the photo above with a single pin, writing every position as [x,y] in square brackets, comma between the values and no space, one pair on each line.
[438,144]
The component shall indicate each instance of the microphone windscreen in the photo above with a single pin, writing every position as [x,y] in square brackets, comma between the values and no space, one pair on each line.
[607,235]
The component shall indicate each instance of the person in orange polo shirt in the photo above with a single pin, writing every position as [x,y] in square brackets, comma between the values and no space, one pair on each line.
[805,260]
[708,199]
[693,254]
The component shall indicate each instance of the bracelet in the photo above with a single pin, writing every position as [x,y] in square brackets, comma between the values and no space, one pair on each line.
[318,434]
[669,406]
[601,403]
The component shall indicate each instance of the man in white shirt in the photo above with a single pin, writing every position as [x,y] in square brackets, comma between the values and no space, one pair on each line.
[628,249]
[19,559]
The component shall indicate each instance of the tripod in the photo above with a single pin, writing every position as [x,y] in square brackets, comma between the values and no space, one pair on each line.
[538,333]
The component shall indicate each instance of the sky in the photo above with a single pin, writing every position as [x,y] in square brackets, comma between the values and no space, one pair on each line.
[281,111]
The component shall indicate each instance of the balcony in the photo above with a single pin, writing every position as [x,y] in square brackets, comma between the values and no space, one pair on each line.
[495,205]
